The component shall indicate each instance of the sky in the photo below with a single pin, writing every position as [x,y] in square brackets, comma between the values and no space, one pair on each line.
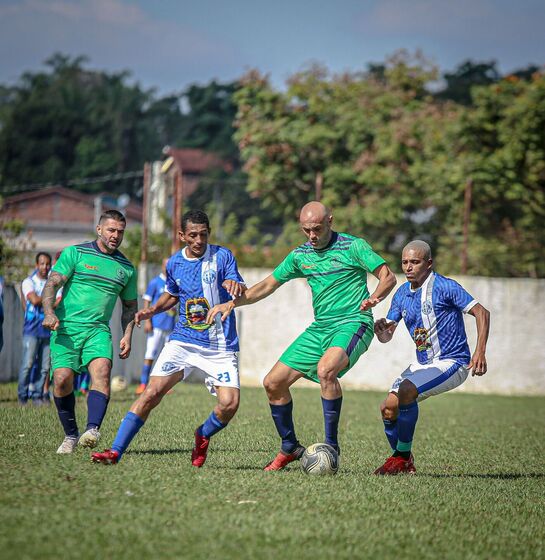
[169,44]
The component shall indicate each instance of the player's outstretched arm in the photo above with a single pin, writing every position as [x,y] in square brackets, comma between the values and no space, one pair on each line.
[127,324]
[478,360]
[234,289]
[252,295]
[386,282]
[384,329]
[164,303]
[54,282]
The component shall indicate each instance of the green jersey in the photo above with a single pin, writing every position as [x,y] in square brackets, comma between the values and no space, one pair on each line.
[337,275]
[95,281]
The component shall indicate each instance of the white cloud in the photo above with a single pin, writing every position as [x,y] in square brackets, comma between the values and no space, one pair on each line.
[115,35]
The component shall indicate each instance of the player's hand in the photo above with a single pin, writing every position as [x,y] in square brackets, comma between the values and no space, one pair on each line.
[148,327]
[478,364]
[142,315]
[124,347]
[223,308]
[51,322]
[368,303]
[235,289]
[383,326]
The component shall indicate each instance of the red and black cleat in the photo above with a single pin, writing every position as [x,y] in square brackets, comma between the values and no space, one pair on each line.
[106,457]
[283,459]
[198,455]
[397,465]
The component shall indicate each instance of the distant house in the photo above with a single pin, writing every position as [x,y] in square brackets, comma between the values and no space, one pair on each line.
[59,216]
[191,163]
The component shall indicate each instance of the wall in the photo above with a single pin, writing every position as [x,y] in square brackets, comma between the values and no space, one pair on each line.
[516,349]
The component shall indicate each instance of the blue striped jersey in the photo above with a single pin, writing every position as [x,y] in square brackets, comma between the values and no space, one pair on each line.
[433,317]
[197,283]
[156,288]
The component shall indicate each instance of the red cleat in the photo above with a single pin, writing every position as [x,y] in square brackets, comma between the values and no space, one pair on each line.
[397,465]
[106,457]
[284,459]
[198,455]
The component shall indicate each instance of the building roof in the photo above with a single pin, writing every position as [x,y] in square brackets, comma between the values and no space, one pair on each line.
[133,211]
[195,161]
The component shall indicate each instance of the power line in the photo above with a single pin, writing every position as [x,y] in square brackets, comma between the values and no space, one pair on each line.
[72,182]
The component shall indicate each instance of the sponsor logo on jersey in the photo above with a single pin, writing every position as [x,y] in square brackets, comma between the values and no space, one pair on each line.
[427,307]
[196,310]
[307,266]
[90,267]
[421,338]
[209,276]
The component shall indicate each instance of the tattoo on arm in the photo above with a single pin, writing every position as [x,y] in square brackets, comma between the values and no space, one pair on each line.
[127,315]
[54,282]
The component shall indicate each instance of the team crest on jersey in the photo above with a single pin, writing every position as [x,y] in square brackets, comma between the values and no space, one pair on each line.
[196,310]
[427,307]
[169,366]
[421,338]
[209,276]
[120,273]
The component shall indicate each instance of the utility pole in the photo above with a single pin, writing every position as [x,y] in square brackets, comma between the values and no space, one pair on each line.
[467,217]
[177,209]
[319,183]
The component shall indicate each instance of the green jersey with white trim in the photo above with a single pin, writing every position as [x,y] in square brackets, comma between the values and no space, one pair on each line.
[337,276]
[95,281]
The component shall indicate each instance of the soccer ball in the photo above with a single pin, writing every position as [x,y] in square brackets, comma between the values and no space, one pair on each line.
[118,384]
[320,459]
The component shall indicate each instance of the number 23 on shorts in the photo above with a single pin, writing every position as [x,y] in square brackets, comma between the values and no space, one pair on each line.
[224,377]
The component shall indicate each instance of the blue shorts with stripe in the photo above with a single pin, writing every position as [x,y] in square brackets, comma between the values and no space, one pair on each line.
[434,378]
[305,351]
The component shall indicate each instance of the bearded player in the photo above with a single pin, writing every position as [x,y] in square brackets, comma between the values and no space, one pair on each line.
[198,276]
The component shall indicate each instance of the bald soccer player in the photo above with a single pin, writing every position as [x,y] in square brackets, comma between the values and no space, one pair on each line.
[431,307]
[335,265]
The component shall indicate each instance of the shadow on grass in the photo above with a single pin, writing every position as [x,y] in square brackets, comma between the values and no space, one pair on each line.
[157,451]
[491,476]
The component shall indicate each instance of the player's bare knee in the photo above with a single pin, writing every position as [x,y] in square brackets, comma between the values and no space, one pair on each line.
[326,373]
[272,386]
[407,392]
[228,407]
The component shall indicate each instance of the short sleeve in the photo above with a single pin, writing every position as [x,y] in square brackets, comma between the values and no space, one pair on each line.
[364,255]
[287,269]
[150,291]
[170,286]
[458,297]
[231,268]
[129,292]
[395,312]
[67,261]
[27,287]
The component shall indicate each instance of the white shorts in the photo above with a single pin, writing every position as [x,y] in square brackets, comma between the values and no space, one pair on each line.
[220,368]
[433,379]
[154,342]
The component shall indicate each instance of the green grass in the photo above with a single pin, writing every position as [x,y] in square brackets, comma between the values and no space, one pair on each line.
[478,492]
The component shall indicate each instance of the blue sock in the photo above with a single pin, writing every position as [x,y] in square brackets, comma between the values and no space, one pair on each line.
[390,429]
[283,420]
[332,413]
[127,430]
[144,376]
[211,426]
[406,423]
[97,403]
[66,408]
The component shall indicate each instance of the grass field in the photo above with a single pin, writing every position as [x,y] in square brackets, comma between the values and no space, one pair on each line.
[479,491]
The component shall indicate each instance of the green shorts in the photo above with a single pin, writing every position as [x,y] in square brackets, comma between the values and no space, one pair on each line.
[74,348]
[305,352]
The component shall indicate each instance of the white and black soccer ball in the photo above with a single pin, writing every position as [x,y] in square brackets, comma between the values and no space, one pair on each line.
[119,384]
[320,459]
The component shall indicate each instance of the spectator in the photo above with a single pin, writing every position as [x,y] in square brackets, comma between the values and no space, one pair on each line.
[35,337]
